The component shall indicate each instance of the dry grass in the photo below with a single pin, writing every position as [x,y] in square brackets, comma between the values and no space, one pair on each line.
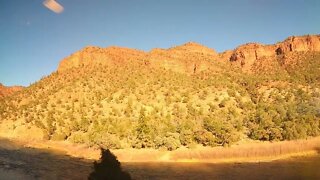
[261,151]
[249,152]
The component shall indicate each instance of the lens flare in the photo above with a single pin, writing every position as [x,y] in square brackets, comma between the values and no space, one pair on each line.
[53,6]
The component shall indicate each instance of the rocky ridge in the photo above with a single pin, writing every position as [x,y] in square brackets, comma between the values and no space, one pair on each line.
[246,55]
[6,91]
[192,57]
[126,98]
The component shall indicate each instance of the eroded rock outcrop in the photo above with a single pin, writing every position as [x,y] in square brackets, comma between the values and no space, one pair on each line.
[299,44]
[246,55]
[110,55]
[6,91]
[191,57]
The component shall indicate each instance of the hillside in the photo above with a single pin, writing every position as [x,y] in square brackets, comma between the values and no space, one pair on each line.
[7,91]
[167,98]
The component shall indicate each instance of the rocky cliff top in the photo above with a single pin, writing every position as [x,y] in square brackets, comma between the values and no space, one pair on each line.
[5,91]
[191,57]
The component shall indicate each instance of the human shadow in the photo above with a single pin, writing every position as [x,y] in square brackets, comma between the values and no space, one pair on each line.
[108,168]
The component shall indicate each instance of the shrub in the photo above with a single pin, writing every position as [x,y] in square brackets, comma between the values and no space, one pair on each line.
[59,136]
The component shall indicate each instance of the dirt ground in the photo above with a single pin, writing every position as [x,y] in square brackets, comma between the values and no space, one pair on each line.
[29,163]
[18,162]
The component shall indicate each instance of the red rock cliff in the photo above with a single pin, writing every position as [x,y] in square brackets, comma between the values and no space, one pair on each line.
[110,55]
[247,54]
[6,91]
[191,57]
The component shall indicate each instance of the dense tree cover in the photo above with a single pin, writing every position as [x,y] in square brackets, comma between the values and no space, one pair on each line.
[143,107]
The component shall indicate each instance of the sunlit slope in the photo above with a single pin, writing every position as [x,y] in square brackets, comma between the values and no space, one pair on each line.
[140,104]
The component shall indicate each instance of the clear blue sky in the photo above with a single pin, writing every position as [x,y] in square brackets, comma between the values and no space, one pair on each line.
[34,39]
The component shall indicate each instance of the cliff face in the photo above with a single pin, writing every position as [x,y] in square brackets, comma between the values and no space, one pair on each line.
[299,44]
[110,56]
[6,91]
[191,57]
[246,55]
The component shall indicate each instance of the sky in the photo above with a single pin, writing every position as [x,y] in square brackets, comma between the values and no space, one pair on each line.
[33,39]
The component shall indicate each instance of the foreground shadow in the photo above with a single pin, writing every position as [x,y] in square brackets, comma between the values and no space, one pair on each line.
[30,164]
[18,162]
[46,164]
[109,168]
